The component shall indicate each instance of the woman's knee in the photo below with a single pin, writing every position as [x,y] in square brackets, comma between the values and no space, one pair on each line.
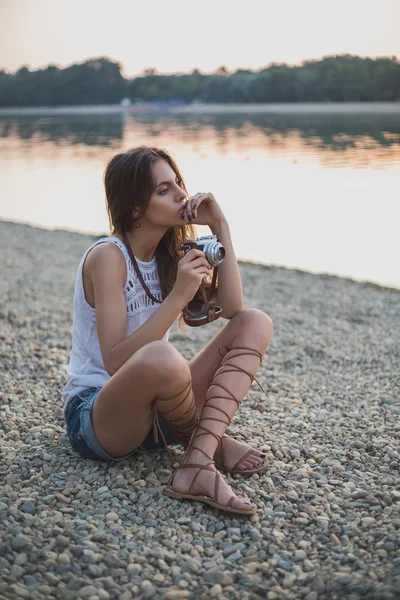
[257,321]
[164,362]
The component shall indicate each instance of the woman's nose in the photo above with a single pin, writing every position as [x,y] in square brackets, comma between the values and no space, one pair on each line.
[180,195]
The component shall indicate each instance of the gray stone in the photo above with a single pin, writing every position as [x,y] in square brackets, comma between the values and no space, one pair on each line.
[191,566]
[29,507]
[30,580]
[317,585]
[19,542]
[87,591]
[213,577]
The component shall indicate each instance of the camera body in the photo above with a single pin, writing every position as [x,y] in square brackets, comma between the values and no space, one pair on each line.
[210,245]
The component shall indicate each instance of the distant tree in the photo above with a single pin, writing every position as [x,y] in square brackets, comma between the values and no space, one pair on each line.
[343,77]
[221,71]
[149,72]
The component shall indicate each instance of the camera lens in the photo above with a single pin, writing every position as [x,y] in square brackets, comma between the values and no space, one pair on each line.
[215,253]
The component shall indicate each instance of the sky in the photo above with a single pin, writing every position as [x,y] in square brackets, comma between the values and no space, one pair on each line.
[177,36]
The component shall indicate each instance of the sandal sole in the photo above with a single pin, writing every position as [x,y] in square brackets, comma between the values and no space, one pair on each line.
[172,494]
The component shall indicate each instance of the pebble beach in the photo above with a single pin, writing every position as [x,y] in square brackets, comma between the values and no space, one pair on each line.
[328,509]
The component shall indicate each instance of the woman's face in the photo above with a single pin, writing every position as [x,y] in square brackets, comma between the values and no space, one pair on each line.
[167,198]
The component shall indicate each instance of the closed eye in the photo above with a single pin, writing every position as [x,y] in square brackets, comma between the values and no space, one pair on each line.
[166,189]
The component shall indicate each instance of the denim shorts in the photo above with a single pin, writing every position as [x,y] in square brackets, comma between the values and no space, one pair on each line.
[78,417]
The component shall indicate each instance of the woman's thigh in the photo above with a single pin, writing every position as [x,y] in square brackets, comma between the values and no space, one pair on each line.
[121,413]
[250,327]
[83,439]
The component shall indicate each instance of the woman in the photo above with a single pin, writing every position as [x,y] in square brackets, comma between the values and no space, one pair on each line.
[125,379]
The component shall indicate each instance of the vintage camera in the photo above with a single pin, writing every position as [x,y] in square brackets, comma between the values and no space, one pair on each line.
[210,245]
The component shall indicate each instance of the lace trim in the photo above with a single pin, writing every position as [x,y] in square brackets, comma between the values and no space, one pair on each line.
[135,296]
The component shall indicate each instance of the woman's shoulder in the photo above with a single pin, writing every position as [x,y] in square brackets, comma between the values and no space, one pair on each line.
[107,255]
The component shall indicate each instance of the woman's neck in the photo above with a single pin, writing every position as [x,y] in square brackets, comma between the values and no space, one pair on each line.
[143,242]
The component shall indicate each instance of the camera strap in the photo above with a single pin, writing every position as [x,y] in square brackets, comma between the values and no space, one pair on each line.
[198,313]
[136,267]
[195,313]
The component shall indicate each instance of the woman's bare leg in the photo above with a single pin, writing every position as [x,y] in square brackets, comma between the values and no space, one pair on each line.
[236,382]
[157,375]
[240,331]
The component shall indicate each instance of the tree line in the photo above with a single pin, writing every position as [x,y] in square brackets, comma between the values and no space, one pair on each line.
[341,78]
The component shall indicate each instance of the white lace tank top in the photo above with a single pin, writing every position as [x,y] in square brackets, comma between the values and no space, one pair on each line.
[86,368]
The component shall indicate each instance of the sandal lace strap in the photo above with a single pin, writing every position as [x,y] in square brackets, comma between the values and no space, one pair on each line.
[205,431]
[251,352]
[226,367]
[183,432]
[156,429]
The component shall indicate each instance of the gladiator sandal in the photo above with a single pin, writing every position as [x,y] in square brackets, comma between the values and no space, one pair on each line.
[235,469]
[210,466]
[190,417]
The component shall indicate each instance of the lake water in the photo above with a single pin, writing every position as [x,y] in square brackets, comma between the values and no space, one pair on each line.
[318,192]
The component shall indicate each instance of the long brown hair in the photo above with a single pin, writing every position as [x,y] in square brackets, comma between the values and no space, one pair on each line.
[129,183]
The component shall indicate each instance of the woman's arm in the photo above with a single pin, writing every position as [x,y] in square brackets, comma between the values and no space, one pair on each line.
[205,210]
[229,292]
[106,269]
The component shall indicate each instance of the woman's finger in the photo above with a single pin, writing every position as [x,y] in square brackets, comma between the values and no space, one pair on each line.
[196,201]
[188,209]
[182,212]
[201,262]
[207,267]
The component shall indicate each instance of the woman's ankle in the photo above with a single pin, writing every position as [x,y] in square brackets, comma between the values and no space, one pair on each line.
[201,453]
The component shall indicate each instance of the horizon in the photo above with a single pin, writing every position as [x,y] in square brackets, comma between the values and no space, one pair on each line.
[201,71]
[39,33]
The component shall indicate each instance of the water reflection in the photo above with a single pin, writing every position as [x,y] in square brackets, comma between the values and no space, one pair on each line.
[331,139]
[89,129]
[326,127]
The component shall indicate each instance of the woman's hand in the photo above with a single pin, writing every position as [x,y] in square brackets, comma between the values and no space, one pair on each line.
[192,269]
[202,209]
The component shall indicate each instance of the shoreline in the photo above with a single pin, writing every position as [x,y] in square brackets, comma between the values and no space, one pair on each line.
[243,262]
[200,109]
[327,419]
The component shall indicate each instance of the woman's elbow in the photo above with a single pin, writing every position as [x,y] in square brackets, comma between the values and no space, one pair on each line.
[110,365]
[230,313]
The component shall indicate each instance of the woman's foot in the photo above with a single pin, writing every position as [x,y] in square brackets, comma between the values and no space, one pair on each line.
[238,457]
[202,483]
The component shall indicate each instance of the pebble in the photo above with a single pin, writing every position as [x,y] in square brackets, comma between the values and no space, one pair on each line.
[19,542]
[111,516]
[318,585]
[359,494]
[328,509]
[29,507]
[367,521]
[289,580]
[87,591]
[214,576]
[335,539]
